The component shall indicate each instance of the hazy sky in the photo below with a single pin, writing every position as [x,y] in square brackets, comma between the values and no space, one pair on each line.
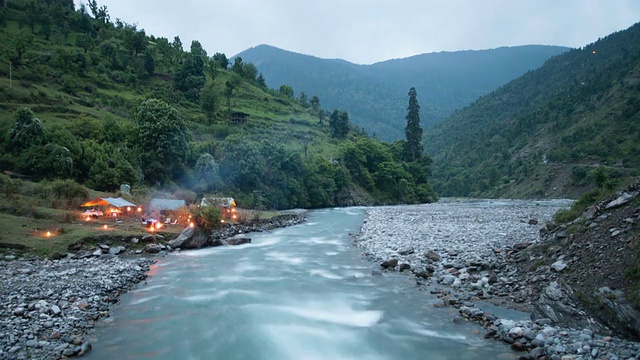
[368,31]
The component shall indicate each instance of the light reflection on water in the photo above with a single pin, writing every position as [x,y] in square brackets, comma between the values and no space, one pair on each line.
[297,293]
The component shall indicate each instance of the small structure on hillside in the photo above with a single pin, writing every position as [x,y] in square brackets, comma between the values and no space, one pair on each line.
[238,117]
[226,205]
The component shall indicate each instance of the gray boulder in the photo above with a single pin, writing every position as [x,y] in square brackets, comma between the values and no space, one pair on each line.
[432,256]
[392,263]
[153,248]
[189,238]
[238,240]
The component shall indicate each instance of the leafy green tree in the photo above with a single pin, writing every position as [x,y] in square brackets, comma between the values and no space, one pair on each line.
[261,81]
[84,41]
[196,49]
[221,60]
[238,66]
[250,72]
[25,132]
[315,102]
[339,124]
[207,172]
[304,100]
[18,45]
[209,99]
[149,62]
[413,131]
[191,78]
[161,140]
[242,163]
[286,90]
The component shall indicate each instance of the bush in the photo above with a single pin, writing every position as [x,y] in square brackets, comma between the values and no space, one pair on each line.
[207,218]
[65,194]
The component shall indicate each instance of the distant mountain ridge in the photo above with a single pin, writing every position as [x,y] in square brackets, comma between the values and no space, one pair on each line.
[376,95]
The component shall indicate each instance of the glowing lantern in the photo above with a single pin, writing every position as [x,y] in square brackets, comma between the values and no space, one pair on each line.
[234,216]
[222,221]
[139,209]
[128,208]
[48,234]
[191,224]
[105,226]
[88,218]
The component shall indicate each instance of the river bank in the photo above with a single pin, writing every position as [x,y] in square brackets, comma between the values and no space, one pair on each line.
[458,250]
[49,307]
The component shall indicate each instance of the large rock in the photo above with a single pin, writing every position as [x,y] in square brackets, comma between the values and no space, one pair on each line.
[189,238]
[623,199]
[432,256]
[392,263]
[238,240]
[153,248]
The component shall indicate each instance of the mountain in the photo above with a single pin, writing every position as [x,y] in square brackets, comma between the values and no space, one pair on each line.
[376,95]
[572,124]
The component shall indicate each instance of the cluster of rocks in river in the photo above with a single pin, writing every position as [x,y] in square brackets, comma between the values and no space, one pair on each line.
[48,307]
[472,253]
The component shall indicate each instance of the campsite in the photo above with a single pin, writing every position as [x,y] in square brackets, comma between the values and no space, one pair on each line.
[46,219]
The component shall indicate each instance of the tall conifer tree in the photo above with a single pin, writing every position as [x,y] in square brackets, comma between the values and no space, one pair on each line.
[413,131]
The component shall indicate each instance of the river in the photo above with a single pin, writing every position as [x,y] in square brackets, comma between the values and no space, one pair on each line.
[302,292]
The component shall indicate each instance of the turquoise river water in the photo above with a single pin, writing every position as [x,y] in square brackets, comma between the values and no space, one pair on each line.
[302,292]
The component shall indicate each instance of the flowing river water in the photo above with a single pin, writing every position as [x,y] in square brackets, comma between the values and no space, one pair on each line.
[302,292]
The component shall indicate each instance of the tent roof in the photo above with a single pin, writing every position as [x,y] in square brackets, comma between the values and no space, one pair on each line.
[166,204]
[116,202]
[220,201]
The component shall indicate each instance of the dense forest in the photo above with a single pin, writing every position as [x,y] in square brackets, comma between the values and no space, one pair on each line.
[554,132]
[374,94]
[98,101]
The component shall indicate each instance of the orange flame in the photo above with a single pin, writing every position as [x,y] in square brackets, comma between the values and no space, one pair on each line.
[88,218]
[48,234]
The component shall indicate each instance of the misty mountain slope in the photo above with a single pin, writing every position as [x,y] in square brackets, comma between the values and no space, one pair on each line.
[376,95]
[543,133]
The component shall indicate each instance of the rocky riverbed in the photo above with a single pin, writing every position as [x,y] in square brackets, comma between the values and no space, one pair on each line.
[462,252]
[47,307]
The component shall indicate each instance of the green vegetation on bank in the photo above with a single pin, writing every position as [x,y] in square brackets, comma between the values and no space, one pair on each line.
[103,103]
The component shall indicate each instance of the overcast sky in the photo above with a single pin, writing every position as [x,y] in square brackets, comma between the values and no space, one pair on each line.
[368,31]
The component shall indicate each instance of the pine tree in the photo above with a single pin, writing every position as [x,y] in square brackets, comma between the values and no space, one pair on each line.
[413,131]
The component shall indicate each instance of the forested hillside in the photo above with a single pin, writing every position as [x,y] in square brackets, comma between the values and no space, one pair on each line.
[84,98]
[572,124]
[374,94]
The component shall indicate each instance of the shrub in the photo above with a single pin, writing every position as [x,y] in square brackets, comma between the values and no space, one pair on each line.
[66,194]
[206,218]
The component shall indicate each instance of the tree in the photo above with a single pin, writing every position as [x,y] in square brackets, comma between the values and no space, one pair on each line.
[413,131]
[238,66]
[161,140]
[197,49]
[149,62]
[339,124]
[84,41]
[250,72]
[221,60]
[304,100]
[191,78]
[209,99]
[26,131]
[261,82]
[315,103]
[207,172]
[286,90]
